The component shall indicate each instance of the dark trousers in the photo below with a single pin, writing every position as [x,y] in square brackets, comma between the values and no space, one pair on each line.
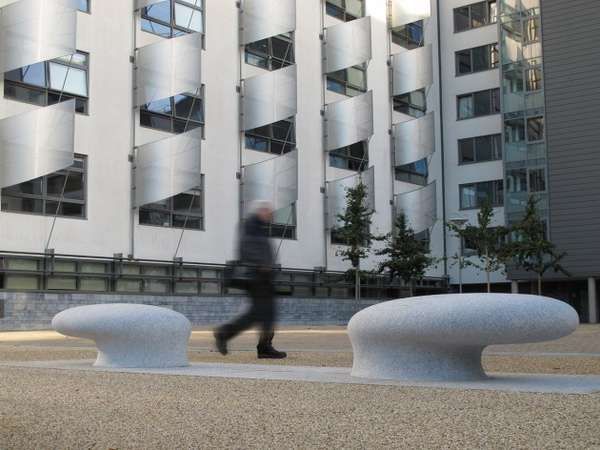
[262,313]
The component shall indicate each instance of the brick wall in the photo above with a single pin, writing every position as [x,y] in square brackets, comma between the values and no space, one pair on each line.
[33,311]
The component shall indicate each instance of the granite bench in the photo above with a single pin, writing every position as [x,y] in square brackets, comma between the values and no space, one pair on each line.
[129,335]
[442,337]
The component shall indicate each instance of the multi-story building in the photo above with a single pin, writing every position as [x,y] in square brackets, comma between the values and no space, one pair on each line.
[146,128]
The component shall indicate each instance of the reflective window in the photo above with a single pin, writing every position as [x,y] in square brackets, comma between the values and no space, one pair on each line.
[345,10]
[173,18]
[272,53]
[277,138]
[83,5]
[414,103]
[480,149]
[176,114]
[477,104]
[521,129]
[354,157]
[184,210]
[283,225]
[477,59]
[415,173]
[473,195]
[409,36]
[350,82]
[62,193]
[475,15]
[51,82]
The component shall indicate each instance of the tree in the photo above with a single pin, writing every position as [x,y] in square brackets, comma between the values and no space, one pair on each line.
[531,250]
[407,256]
[355,230]
[488,241]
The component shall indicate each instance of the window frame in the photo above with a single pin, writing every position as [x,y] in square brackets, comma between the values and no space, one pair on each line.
[170,210]
[405,173]
[402,34]
[421,110]
[349,89]
[489,19]
[497,187]
[81,102]
[344,154]
[175,30]
[44,198]
[495,101]
[494,62]
[271,139]
[88,9]
[269,57]
[496,139]
[342,11]
[173,117]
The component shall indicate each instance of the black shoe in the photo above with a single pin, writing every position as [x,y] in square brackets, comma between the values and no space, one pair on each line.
[270,353]
[220,342]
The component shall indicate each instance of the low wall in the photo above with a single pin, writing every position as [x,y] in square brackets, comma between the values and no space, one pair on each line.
[34,311]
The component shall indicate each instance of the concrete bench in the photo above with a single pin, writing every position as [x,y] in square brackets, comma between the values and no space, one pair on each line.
[441,338]
[129,335]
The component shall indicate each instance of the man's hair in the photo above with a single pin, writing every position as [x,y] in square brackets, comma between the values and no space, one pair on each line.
[257,205]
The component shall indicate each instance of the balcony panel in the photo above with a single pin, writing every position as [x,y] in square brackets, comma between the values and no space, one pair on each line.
[409,11]
[412,70]
[419,207]
[265,18]
[336,194]
[349,121]
[414,140]
[347,44]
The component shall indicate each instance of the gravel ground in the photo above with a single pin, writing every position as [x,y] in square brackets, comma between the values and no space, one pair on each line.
[45,409]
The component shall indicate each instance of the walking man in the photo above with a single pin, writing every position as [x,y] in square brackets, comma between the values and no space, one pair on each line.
[257,255]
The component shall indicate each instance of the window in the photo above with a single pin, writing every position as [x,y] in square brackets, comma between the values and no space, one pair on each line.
[477,104]
[519,130]
[469,248]
[473,195]
[409,36]
[177,114]
[182,210]
[477,59]
[83,5]
[415,173]
[475,15]
[271,53]
[277,138]
[345,10]
[354,157]
[173,18]
[283,225]
[350,82]
[480,149]
[51,82]
[414,103]
[526,180]
[43,195]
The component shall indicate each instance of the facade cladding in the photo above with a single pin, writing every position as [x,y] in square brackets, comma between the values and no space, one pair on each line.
[436,105]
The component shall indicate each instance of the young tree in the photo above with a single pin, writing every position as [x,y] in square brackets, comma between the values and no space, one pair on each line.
[488,242]
[531,250]
[407,256]
[355,230]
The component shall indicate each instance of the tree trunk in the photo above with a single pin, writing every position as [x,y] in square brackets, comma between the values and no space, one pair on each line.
[487,272]
[539,285]
[357,283]
[411,288]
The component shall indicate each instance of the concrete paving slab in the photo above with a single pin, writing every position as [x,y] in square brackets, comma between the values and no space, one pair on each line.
[545,384]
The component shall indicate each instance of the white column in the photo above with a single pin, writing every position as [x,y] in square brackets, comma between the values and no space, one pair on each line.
[514,287]
[592,301]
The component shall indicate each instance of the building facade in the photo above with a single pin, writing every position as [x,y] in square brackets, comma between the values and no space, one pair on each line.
[145,129]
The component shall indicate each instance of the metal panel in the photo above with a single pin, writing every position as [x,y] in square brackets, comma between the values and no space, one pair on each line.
[36,143]
[274,180]
[409,11]
[414,140]
[168,167]
[412,70]
[347,44]
[168,68]
[349,121]
[33,31]
[269,98]
[419,207]
[265,18]
[336,194]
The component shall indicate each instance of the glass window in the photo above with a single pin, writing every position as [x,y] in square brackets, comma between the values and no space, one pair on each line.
[47,83]
[480,149]
[354,157]
[345,10]
[350,82]
[475,15]
[414,103]
[184,210]
[271,53]
[173,18]
[537,180]
[409,36]
[62,193]
[477,59]
[473,195]
[277,138]
[83,5]
[415,173]
[478,104]
[176,114]
[535,129]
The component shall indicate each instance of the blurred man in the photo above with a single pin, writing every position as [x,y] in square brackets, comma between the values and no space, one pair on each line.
[257,255]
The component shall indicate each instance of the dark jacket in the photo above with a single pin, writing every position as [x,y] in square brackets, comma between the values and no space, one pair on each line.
[255,248]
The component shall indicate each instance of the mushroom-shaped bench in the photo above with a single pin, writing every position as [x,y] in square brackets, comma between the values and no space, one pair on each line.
[129,335]
[442,337]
